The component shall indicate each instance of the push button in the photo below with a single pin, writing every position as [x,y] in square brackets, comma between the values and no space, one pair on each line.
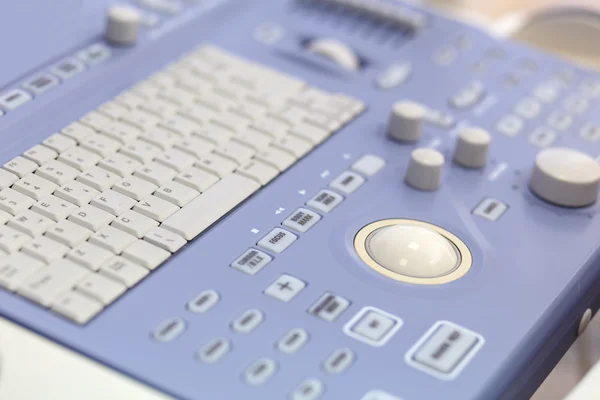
[260,372]
[248,321]
[214,351]
[285,288]
[310,389]
[373,326]
[347,183]
[14,99]
[277,240]
[329,307]
[293,341]
[41,84]
[251,261]
[490,209]
[204,302]
[339,361]
[169,330]
[68,68]
[325,201]
[302,220]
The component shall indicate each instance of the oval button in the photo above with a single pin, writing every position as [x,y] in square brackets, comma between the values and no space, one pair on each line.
[169,330]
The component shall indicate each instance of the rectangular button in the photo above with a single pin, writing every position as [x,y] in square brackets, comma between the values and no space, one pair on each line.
[373,326]
[41,83]
[325,201]
[94,54]
[285,288]
[329,307]
[490,209]
[277,240]
[251,261]
[369,164]
[302,220]
[14,98]
[68,68]
[347,182]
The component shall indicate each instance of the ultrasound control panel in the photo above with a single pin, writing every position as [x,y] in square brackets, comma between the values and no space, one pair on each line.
[296,199]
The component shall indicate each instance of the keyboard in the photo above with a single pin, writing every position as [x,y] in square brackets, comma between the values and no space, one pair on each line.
[299,199]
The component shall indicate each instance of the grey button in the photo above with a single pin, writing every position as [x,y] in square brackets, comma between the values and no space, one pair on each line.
[204,302]
[490,209]
[251,261]
[446,347]
[528,108]
[169,330]
[248,321]
[468,96]
[260,372]
[285,288]
[347,182]
[329,307]
[394,76]
[68,68]
[14,98]
[310,389]
[543,137]
[369,164]
[302,220]
[510,125]
[560,121]
[41,84]
[293,341]
[373,326]
[277,240]
[325,201]
[590,132]
[214,351]
[94,54]
[339,361]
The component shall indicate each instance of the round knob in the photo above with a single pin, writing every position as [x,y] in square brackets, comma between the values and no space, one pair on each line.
[122,25]
[413,251]
[406,121]
[565,177]
[336,51]
[472,147]
[425,169]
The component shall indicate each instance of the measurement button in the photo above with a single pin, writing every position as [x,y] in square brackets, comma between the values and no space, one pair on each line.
[251,261]
[325,201]
[204,302]
[277,240]
[169,330]
[248,321]
[490,209]
[310,389]
[41,84]
[260,372]
[285,288]
[543,137]
[560,121]
[14,98]
[369,164]
[547,92]
[302,220]
[68,68]
[329,307]
[373,326]
[528,108]
[576,104]
[293,341]
[510,125]
[94,54]
[590,132]
[339,361]
[348,182]
[214,351]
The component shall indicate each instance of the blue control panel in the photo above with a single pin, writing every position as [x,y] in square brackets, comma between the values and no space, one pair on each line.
[296,199]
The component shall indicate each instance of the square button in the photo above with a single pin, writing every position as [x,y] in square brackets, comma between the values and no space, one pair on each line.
[277,240]
[325,201]
[329,307]
[373,326]
[348,182]
[302,220]
[285,288]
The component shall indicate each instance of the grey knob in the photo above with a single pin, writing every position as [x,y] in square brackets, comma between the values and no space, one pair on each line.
[472,147]
[406,121]
[122,23]
[425,169]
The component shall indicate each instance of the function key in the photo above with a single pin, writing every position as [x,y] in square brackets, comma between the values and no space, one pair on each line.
[204,302]
[510,125]
[347,182]
[543,137]
[14,98]
[325,201]
[251,261]
[329,307]
[293,341]
[373,326]
[560,121]
[68,68]
[277,240]
[41,84]
[168,330]
[214,351]
[369,164]
[576,104]
[310,389]
[248,321]
[302,220]
[547,92]
[260,372]
[339,361]
[468,96]
[528,108]
[590,132]
[490,209]
[285,288]
[94,54]
[394,76]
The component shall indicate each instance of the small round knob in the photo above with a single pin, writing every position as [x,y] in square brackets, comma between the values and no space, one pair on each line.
[565,177]
[425,169]
[472,147]
[122,24]
[406,121]
[413,251]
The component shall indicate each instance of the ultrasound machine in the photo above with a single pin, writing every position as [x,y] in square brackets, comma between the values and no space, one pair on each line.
[295,199]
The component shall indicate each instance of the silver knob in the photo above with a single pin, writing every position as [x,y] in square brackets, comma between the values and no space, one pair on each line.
[472,147]
[122,24]
[425,169]
[406,121]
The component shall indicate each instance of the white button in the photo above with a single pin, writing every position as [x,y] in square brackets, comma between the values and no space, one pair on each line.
[373,326]
[394,76]
[40,154]
[77,307]
[577,105]
[165,239]
[214,351]
[468,96]
[566,177]
[76,192]
[285,288]
[248,321]
[547,92]
[260,372]
[94,54]
[122,24]
[329,307]
[204,302]
[169,330]
[41,84]
[7,179]
[277,240]
[590,132]
[258,171]
[413,251]
[560,121]
[11,240]
[112,239]
[310,389]
[20,166]
[347,182]
[293,341]
[325,201]
[302,220]
[45,249]
[528,108]
[68,233]
[31,223]
[336,51]
[369,164]
[339,361]
[90,255]
[14,202]
[490,209]
[543,137]
[124,271]
[379,395]
[101,289]
[15,268]
[91,217]
[14,99]
[68,68]
[252,261]
[472,147]
[425,169]
[113,202]
[34,186]
[146,254]
[510,125]
[406,121]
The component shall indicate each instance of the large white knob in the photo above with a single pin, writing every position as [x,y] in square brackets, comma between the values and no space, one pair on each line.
[406,121]
[472,147]
[122,24]
[413,251]
[425,169]
[565,177]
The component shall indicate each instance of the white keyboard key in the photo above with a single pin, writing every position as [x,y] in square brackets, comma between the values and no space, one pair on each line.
[146,254]
[91,217]
[258,171]
[134,223]
[311,133]
[195,146]
[11,240]
[44,286]
[76,306]
[4,217]
[216,165]
[120,164]
[77,131]
[76,192]
[68,233]
[161,138]
[113,202]
[31,223]
[155,173]
[141,151]
[276,158]
[176,193]
[134,187]
[15,268]
[112,239]
[158,108]
[271,127]
[7,179]
[165,239]
[112,109]
[235,151]
[120,131]
[59,142]
[214,134]
[155,208]
[130,100]
[197,179]
[45,249]
[20,166]
[95,120]
[34,186]
[100,288]
[140,120]
[253,139]
[175,159]
[123,271]
[294,145]
[14,202]
[100,144]
[178,124]
[54,208]
[98,178]
[177,96]
[79,158]
[207,208]
[57,172]
[249,110]
[90,255]
[40,154]
[233,122]
[197,114]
